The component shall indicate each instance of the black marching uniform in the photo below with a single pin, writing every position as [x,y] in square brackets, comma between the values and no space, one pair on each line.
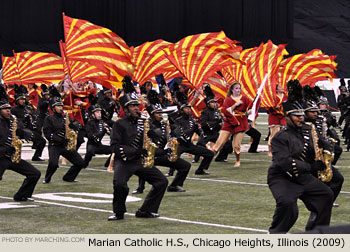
[95,129]
[211,122]
[55,133]
[186,126]
[159,137]
[337,180]
[127,142]
[108,106]
[39,142]
[7,150]
[290,174]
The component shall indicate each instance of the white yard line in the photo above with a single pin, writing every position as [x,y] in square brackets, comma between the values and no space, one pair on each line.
[162,218]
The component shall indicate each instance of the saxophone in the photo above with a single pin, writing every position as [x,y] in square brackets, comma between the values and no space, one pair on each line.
[324,155]
[149,146]
[71,136]
[172,144]
[16,142]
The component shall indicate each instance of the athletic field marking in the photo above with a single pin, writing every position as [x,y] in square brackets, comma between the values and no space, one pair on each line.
[162,218]
[202,179]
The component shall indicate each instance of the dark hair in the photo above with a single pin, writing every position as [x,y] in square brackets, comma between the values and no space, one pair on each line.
[229,91]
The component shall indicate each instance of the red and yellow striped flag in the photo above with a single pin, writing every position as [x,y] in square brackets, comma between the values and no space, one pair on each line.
[197,57]
[98,46]
[150,60]
[264,60]
[39,67]
[234,72]
[219,87]
[308,68]
[83,71]
[9,70]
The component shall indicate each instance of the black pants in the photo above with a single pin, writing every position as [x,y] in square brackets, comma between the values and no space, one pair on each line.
[225,150]
[80,137]
[182,167]
[336,183]
[72,156]
[202,141]
[317,197]
[38,144]
[197,150]
[255,134]
[92,149]
[122,173]
[26,169]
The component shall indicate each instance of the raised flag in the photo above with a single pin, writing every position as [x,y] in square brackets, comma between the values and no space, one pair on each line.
[150,60]
[99,46]
[197,57]
[264,60]
[83,71]
[9,70]
[308,68]
[39,67]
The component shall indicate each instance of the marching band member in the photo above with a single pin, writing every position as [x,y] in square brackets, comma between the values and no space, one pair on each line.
[96,129]
[290,174]
[127,141]
[164,154]
[10,149]
[62,141]
[311,111]
[184,128]
[211,120]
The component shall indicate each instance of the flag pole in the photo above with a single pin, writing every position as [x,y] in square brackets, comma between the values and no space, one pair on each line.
[251,117]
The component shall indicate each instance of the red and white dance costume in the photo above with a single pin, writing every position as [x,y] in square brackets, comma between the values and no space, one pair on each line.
[236,123]
[276,119]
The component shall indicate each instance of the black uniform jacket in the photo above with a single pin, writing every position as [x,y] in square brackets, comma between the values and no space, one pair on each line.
[210,121]
[158,135]
[95,131]
[185,127]
[54,129]
[6,135]
[293,153]
[127,138]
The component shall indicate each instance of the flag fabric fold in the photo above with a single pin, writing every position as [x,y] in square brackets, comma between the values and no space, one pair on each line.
[39,67]
[99,46]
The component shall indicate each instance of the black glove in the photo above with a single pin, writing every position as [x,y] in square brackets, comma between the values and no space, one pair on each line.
[10,150]
[168,151]
[317,166]
[152,134]
[140,152]
[20,133]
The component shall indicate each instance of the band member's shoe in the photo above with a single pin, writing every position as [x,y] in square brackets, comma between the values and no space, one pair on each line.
[169,174]
[137,191]
[335,205]
[37,159]
[115,217]
[201,172]
[141,214]
[175,189]
[220,160]
[46,182]
[71,181]
[24,199]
